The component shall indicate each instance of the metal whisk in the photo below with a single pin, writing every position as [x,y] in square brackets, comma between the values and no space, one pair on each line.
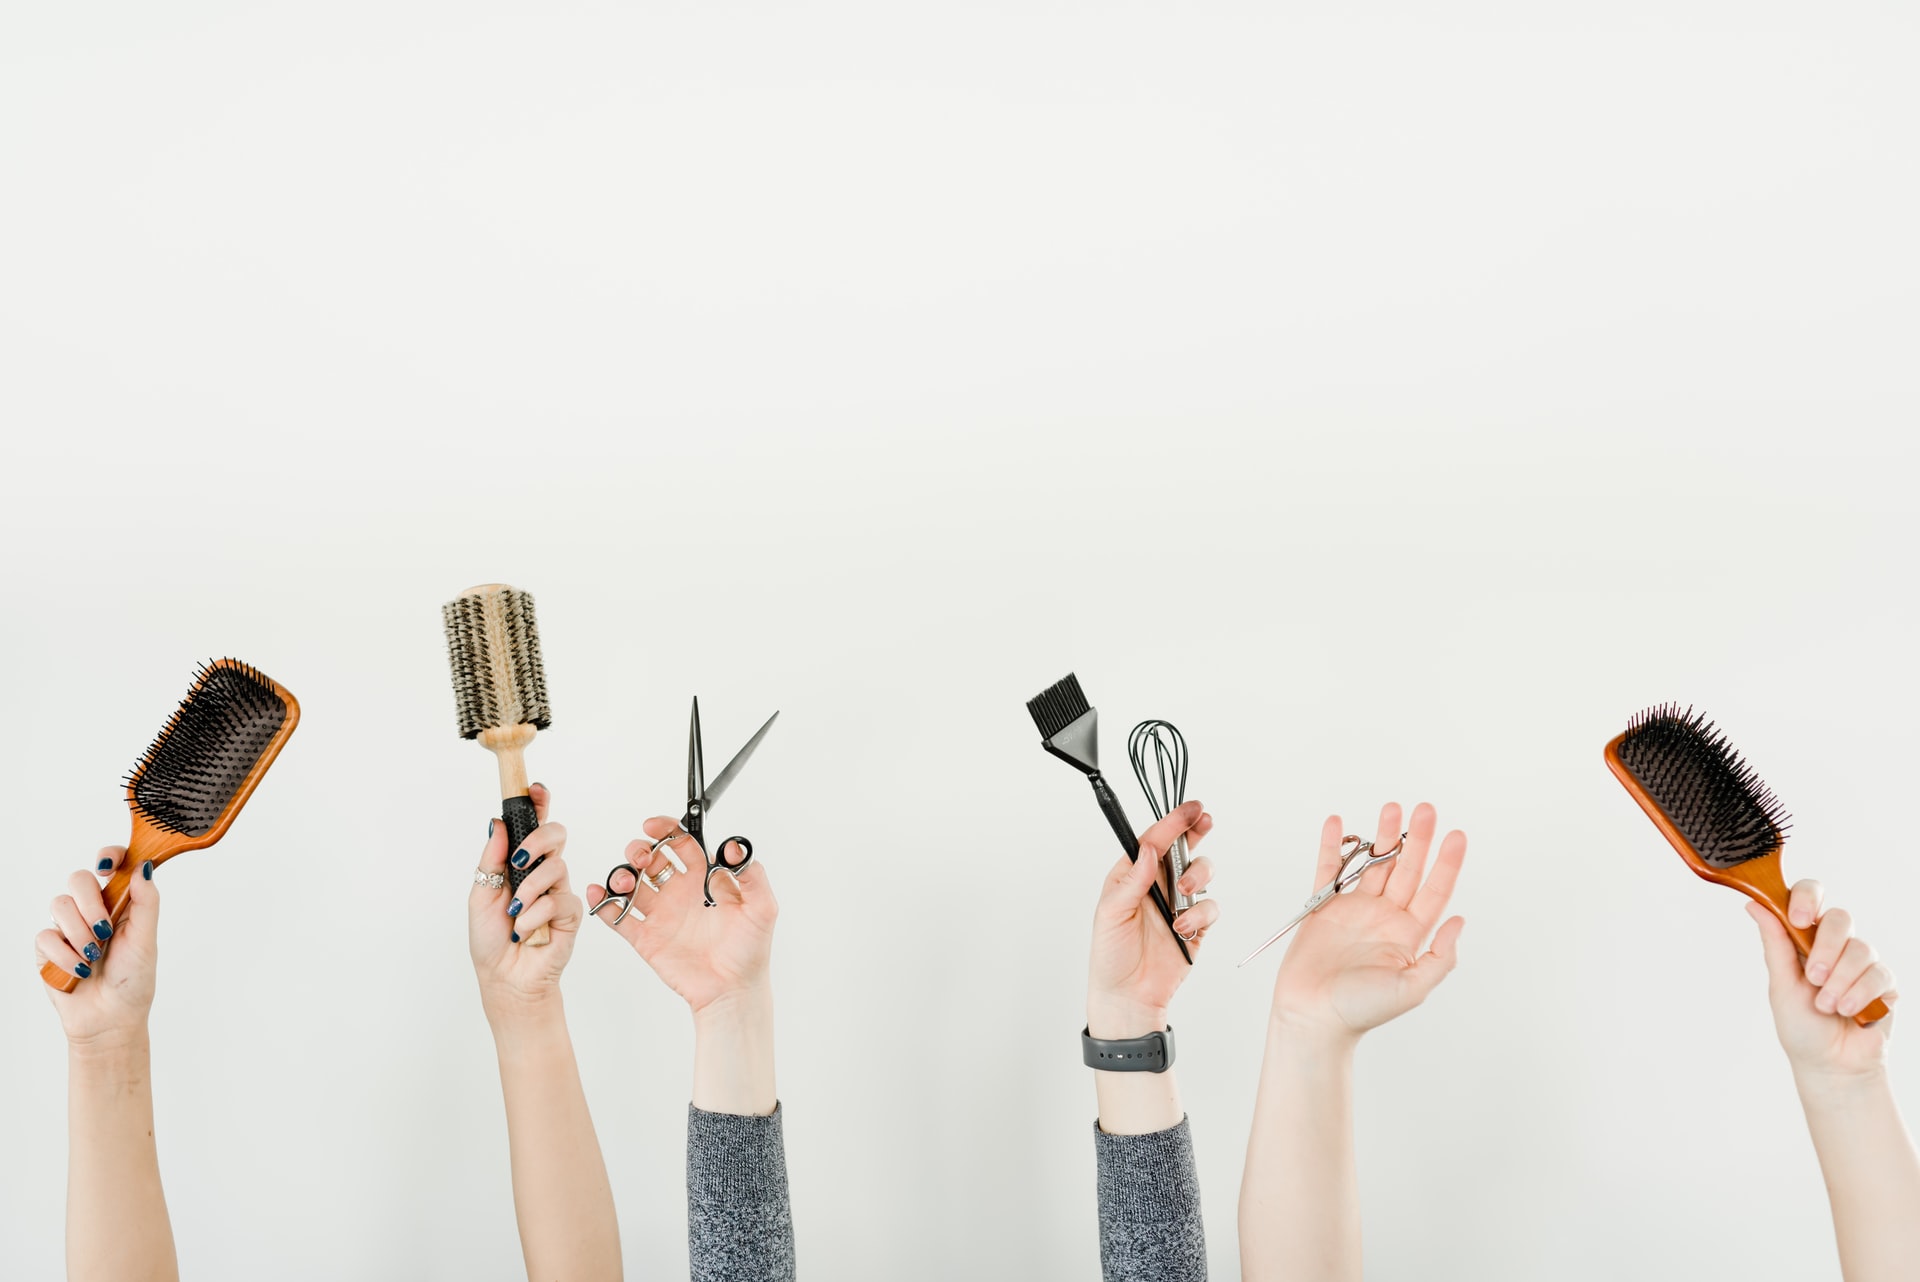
[1159,756]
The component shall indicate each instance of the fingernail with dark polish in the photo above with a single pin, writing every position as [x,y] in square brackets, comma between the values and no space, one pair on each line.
[106,865]
[520,859]
[513,909]
[146,870]
[516,936]
[103,930]
[489,830]
[91,952]
[83,970]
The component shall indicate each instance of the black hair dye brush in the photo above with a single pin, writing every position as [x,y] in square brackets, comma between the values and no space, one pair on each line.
[1712,808]
[1070,730]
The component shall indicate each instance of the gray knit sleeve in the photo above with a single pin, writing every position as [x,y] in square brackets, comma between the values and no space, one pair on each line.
[739,1223]
[1150,1207]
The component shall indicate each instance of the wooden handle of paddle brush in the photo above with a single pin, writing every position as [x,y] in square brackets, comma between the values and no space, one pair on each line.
[118,894]
[1762,882]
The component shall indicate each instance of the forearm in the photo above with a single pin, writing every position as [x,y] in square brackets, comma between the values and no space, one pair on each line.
[1300,1195]
[733,1054]
[117,1226]
[739,1217]
[561,1197]
[1872,1174]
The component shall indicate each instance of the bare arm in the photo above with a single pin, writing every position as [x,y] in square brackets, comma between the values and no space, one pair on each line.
[117,1225]
[561,1197]
[1866,1153]
[1354,965]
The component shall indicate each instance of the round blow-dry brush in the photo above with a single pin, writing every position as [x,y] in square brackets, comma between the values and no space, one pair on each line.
[500,691]
[1726,824]
[189,785]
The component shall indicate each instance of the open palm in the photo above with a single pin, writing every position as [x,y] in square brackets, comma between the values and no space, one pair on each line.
[1358,962]
[702,953]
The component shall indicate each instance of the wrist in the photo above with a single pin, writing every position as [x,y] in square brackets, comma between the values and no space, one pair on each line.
[1112,1017]
[1822,1087]
[733,1053]
[736,1009]
[116,1048]
[510,1009]
[1302,1035]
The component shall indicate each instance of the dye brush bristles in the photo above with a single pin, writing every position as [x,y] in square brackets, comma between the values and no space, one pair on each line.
[199,771]
[500,693]
[1727,825]
[1070,729]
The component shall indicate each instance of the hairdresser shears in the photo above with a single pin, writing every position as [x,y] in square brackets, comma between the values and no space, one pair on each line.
[700,799]
[1356,856]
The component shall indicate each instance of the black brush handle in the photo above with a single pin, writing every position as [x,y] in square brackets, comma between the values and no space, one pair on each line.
[1123,829]
[517,814]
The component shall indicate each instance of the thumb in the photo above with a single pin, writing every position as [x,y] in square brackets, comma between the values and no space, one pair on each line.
[143,905]
[1130,883]
[1439,960]
[1783,959]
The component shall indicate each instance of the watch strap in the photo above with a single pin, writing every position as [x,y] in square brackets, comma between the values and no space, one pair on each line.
[1150,1054]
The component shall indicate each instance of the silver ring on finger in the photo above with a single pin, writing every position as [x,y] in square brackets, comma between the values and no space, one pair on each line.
[491,880]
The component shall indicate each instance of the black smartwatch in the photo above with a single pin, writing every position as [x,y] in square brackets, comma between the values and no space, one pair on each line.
[1150,1054]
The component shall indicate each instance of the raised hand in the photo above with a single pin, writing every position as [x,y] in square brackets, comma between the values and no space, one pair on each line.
[705,954]
[1358,962]
[1135,967]
[1814,1003]
[498,920]
[115,964]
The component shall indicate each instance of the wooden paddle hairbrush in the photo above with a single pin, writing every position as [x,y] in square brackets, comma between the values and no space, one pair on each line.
[197,774]
[1710,805]
[500,690]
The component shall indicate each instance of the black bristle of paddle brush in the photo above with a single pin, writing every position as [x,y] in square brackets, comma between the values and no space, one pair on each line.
[1068,724]
[184,780]
[1713,797]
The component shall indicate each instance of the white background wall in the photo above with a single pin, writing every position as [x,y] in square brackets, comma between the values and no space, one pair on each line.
[1396,401]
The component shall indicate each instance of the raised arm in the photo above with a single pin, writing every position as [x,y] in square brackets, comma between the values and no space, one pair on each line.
[1840,1068]
[561,1197]
[1149,1191]
[117,1226]
[1352,966]
[718,960]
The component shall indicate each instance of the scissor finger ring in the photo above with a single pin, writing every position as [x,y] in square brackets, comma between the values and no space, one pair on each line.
[666,843]
[626,906]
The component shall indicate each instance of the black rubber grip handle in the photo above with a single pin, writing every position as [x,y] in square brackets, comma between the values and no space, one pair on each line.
[1123,829]
[517,814]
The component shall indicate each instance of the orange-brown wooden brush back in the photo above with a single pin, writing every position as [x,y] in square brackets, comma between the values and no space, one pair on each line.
[152,839]
[1759,879]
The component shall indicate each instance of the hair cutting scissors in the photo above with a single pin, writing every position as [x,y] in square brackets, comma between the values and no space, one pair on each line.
[1356,856]
[700,799]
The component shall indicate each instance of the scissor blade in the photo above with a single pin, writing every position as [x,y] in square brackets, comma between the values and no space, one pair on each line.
[696,768]
[725,777]
[1275,938]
